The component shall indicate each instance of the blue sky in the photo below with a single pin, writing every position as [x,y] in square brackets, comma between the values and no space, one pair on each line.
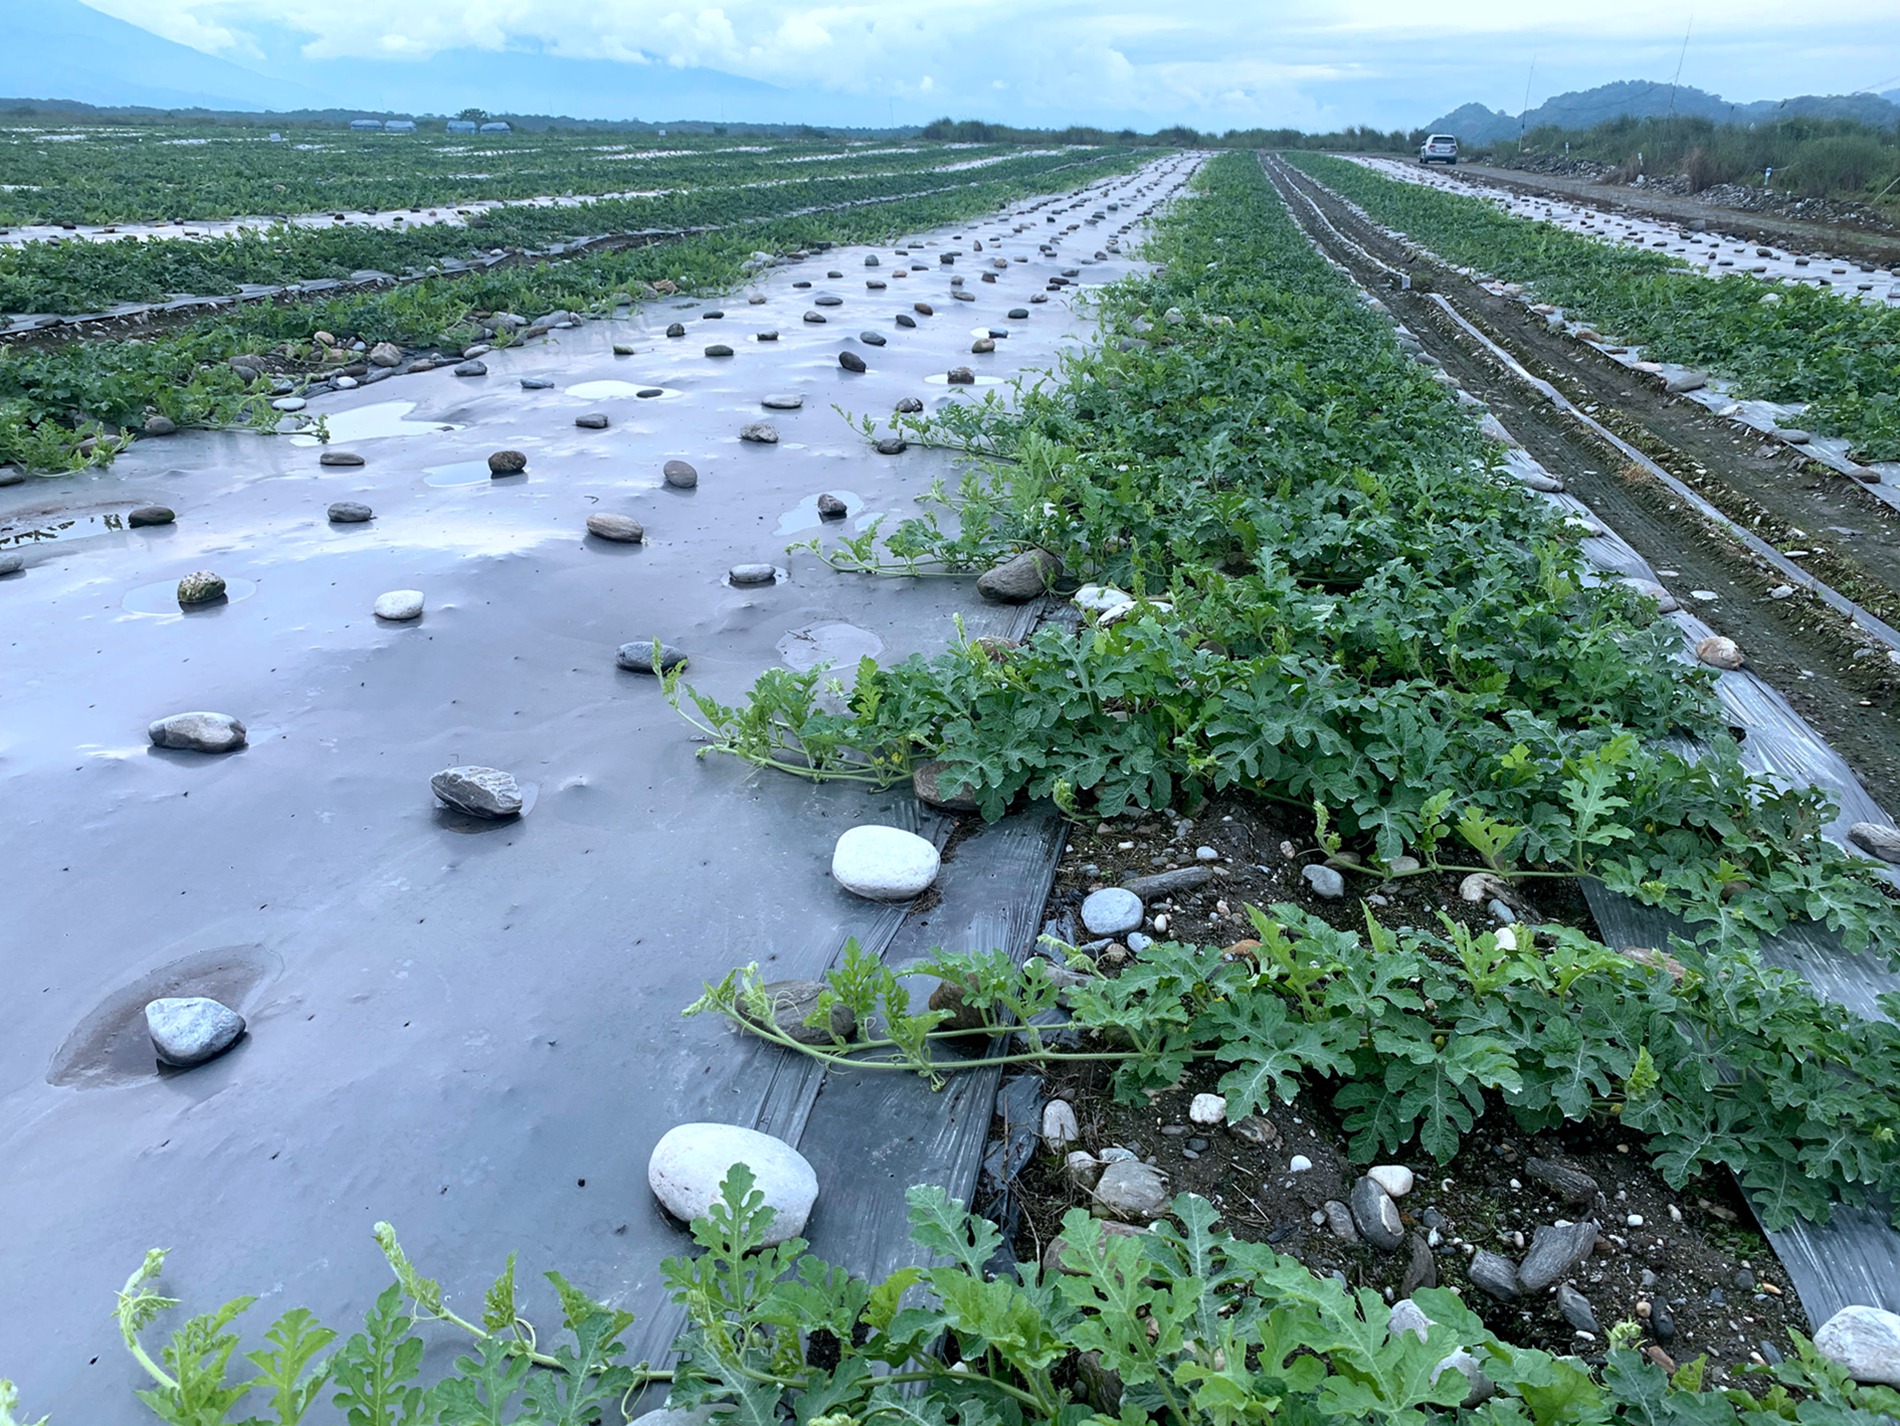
[1140,62]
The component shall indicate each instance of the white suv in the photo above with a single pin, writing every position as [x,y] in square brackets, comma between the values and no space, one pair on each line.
[1439,148]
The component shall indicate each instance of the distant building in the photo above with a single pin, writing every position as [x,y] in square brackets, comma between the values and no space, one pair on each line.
[497,126]
[366,126]
[461,126]
[399,126]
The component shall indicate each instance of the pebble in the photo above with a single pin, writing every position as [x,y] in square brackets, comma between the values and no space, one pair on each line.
[679,475]
[691,1161]
[198,732]
[1395,1179]
[512,462]
[851,361]
[1865,1341]
[759,433]
[593,421]
[782,402]
[884,863]
[637,657]
[1376,1215]
[1059,1127]
[289,403]
[200,587]
[1326,883]
[1111,911]
[1338,1218]
[1129,1188]
[1208,1109]
[479,791]
[1299,1163]
[147,515]
[188,1030]
[752,574]
[399,605]
[349,512]
[1206,854]
[1660,1322]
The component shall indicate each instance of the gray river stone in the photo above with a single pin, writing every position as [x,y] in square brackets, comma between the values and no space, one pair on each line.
[830,507]
[926,780]
[1376,1215]
[759,433]
[340,458]
[890,445]
[160,426]
[592,421]
[188,1030]
[11,564]
[619,529]
[1876,838]
[1555,1253]
[851,361]
[904,319]
[680,475]
[1864,1340]
[871,339]
[1128,1188]
[1494,1274]
[150,515]
[537,383]
[507,462]
[350,512]
[790,1003]
[1576,1310]
[675,329]
[471,368]
[909,405]
[1166,883]
[198,732]
[960,376]
[718,349]
[1020,578]
[478,791]
[782,402]
[200,587]
[1326,882]
[884,863]
[690,1162]
[752,574]
[399,605]
[1111,911]
[637,657]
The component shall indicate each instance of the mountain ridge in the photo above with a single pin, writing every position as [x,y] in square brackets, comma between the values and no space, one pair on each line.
[1645,99]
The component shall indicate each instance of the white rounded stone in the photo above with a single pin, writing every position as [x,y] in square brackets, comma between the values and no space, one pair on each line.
[399,605]
[1209,1109]
[1059,1127]
[884,863]
[1299,1163]
[1866,1341]
[692,1160]
[1111,911]
[1395,1179]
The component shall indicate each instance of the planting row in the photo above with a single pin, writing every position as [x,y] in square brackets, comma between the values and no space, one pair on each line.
[167,175]
[78,277]
[67,405]
[1787,343]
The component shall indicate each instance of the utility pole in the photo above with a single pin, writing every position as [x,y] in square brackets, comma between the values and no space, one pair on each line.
[1523,116]
[1679,61]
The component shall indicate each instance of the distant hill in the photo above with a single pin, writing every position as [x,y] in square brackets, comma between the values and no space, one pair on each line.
[1644,99]
[61,49]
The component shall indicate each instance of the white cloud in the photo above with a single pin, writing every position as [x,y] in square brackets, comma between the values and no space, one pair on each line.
[1142,62]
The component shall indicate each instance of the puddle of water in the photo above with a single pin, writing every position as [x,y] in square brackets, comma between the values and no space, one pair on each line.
[162,597]
[111,1045]
[998,333]
[71,527]
[596,390]
[943,379]
[805,516]
[367,423]
[468,472]
[840,645]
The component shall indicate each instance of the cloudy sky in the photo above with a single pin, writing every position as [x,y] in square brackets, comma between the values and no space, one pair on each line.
[1218,64]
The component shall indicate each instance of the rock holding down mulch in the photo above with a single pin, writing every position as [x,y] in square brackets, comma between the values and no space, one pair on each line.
[927,781]
[851,361]
[637,657]
[349,512]
[1719,652]
[399,606]
[479,791]
[690,1162]
[149,515]
[831,507]
[198,733]
[1876,839]
[791,1003]
[884,863]
[340,458]
[189,1030]
[592,421]
[890,445]
[508,462]
[783,401]
[742,574]
[200,587]
[1864,1340]
[679,475]
[617,529]
[1020,578]
[759,433]
[718,349]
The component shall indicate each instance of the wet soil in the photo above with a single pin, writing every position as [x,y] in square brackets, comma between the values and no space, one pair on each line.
[1687,1267]
[1833,676]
